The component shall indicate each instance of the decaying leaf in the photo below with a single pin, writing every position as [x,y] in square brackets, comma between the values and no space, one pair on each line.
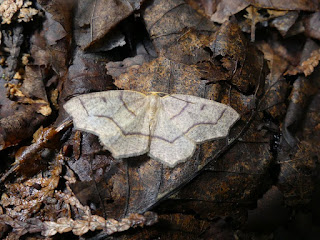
[55,36]
[285,22]
[242,64]
[23,200]
[256,17]
[115,69]
[307,5]
[95,19]
[308,61]
[227,8]
[69,185]
[276,87]
[19,125]
[302,90]
[28,158]
[168,22]
[311,25]
[15,93]
[162,75]
[295,179]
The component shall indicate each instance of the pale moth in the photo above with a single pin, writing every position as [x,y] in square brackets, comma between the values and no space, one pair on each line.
[167,128]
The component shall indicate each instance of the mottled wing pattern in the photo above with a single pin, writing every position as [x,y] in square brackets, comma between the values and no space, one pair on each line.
[117,117]
[199,119]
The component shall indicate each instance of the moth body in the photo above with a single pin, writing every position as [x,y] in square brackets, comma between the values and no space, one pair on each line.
[167,128]
[154,106]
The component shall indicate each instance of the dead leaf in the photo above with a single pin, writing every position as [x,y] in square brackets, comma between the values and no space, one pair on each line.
[95,19]
[28,158]
[302,90]
[19,125]
[33,85]
[185,52]
[312,24]
[42,106]
[227,8]
[115,69]
[86,74]
[162,75]
[276,88]
[298,166]
[241,62]
[167,22]
[256,16]
[270,212]
[285,22]
[306,5]
[309,59]
[57,34]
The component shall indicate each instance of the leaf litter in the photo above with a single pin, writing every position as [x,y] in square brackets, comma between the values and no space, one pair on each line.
[74,185]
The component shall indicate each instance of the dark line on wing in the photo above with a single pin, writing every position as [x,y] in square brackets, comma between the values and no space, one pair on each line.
[137,133]
[180,99]
[158,137]
[192,126]
[82,104]
[181,111]
[122,131]
[125,105]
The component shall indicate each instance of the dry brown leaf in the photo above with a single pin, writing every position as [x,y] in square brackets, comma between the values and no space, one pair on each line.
[191,51]
[227,8]
[256,17]
[240,61]
[311,24]
[115,69]
[18,121]
[285,22]
[310,58]
[43,107]
[162,75]
[95,19]
[16,219]
[306,5]
[296,171]
[168,21]
[276,88]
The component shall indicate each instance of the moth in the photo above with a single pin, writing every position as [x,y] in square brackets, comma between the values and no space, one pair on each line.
[130,123]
